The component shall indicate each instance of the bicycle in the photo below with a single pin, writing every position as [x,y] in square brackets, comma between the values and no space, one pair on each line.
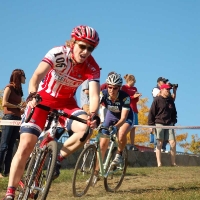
[85,166]
[37,180]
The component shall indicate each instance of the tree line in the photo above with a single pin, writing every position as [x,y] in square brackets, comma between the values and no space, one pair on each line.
[142,136]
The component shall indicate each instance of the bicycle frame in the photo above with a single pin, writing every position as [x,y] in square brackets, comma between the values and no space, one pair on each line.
[113,144]
[86,165]
[34,182]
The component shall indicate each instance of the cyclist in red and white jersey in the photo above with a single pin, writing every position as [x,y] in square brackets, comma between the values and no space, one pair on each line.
[56,79]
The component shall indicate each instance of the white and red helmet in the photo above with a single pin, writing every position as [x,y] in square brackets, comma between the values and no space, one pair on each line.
[86,34]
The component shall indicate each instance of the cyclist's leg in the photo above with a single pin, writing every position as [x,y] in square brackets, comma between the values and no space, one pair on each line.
[110,119]
[73,143]
[122,139]
[77,129]
[26,145]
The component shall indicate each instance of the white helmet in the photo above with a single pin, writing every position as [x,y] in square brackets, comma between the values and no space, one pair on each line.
[114,79]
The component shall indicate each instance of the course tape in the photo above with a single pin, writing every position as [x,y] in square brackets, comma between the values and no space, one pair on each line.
[18,123]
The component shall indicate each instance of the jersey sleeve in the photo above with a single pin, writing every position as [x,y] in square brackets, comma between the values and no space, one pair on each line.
[54,57]
[126,102]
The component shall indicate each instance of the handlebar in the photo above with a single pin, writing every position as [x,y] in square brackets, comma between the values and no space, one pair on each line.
[38,99]
[100,128]
[59,113]
[109,129]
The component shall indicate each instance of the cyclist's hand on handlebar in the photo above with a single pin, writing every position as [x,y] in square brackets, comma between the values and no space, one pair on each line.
[93,120]
[114,130]
[32,103]
[33,99]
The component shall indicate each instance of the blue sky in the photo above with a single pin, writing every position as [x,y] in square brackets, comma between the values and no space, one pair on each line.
[145,38]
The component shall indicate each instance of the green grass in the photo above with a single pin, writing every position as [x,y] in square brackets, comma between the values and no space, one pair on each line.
[166,183]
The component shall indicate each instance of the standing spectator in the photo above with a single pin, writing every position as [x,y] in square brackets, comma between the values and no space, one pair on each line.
[163,113]
[131,90]
[156,90]
[85,100]
[85,96]
[155,93]
[161,81]
[11,101]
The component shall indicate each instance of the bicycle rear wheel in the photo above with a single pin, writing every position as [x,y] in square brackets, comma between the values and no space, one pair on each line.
[115,175]
[45,179]
[84,171]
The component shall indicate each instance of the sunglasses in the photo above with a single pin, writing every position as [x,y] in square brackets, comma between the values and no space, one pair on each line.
[113,88]
[83,47]
[24,75]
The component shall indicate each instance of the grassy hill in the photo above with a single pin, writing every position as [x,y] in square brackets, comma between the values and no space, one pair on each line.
[140,183]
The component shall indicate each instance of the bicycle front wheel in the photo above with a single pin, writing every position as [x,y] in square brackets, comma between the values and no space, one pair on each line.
[28,179]
[45,179]
[115,174]
[84,171]
[22,191]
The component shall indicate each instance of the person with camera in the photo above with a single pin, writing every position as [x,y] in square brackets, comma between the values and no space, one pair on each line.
[155,93]
[161,81]
[163,113]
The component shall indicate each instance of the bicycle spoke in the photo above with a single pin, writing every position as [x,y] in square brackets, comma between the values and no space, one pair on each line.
[45,179]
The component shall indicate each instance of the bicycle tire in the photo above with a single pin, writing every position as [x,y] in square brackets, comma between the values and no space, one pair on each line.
[46,175]
[115,175]
[84,171]
[21,188]
[29,174]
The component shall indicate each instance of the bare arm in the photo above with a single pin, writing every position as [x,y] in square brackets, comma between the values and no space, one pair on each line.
[38,75]
[136,95]
[174,94]
[94,90]
[5,102]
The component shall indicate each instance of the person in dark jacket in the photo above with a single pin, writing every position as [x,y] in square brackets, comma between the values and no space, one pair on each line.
[163,113]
